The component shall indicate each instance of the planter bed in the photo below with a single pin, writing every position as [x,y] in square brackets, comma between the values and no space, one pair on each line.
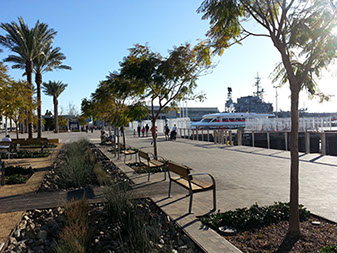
[115,225]
[26,154]
[264,229]
[17,174]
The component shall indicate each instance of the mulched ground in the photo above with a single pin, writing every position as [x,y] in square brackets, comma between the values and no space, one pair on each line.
[272,238]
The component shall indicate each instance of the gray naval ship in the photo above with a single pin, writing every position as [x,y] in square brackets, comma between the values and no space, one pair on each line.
[251,104]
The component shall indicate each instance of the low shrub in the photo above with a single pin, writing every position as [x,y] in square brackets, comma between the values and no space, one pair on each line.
[26,154]
[17,174]
[329,249]
[76,235]
[128,219]
[76,168]
[11,170]
[16,179]
[101,176]
[255,216]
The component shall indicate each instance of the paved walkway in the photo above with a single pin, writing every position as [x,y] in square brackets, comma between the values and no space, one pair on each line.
[246,175]
[177,206]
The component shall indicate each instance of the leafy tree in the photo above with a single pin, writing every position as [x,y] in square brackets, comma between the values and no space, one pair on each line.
[54,89]
[302,32]
[15,98]
[117,101]
[27,44]
[166,80]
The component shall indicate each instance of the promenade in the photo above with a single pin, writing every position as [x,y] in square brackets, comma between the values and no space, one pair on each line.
[245,175]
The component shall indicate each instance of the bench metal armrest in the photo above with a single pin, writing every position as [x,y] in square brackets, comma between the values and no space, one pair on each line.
[159,158]
[204,174]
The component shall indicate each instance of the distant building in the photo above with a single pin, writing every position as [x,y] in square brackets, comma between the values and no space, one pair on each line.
[194,113]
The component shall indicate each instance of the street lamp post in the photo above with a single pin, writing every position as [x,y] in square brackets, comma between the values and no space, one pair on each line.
[276,95]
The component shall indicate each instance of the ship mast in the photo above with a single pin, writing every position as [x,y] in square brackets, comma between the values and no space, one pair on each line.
[258,93]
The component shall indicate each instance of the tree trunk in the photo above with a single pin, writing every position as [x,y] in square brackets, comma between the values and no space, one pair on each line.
[29,72]
[294,221]
[38,81]
[154,137]
[123,131]
[16,129]
[56,114]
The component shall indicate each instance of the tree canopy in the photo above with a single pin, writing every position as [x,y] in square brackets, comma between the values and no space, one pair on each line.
[303,32]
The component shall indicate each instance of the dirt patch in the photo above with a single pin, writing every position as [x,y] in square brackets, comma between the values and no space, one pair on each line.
[272,238]
[8,222]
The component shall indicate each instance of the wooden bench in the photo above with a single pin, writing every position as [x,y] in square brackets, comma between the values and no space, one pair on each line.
[9,146]
[128,150]
[187,180]
[151,162]
[31,143]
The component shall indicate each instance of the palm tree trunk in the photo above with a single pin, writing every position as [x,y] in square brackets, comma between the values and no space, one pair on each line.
[29,72]
[38,81]
[294,221]
[56,114]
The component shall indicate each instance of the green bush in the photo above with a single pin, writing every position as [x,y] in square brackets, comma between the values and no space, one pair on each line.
[255,216]
[76,168]
[12,170]
[16,179]
[329,249]
[26,154]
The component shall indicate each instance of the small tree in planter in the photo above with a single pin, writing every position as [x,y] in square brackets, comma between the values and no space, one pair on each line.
[166,80]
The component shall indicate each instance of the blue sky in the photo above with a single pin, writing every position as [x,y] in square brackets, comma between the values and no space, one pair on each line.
[96,35]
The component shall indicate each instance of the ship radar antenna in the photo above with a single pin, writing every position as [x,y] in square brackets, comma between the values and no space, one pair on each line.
[259,92]
[229,107]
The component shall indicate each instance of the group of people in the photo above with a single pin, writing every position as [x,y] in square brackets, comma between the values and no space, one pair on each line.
[173,134]
[168,134]
[144,130]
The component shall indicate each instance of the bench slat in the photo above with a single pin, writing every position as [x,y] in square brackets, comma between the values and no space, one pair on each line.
[184,182]
[178,169]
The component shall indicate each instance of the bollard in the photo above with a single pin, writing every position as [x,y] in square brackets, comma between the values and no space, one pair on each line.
[268,140]
[307,142]
[221,136]
[214,136]
[286,140]
[202,134]
[323,144]
[239,134]
[197,135]
[208,135]
[226,138]
[230,138]
[184,133]
[253,139]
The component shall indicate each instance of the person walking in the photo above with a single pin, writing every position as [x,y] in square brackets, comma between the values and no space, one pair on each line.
[143,131]
[147,130]
[174,132]
[167,132]
[138,130]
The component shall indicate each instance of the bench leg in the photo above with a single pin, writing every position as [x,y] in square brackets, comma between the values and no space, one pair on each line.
[148,176]
[190,206]
[164,175]
[214,200]
[169,193]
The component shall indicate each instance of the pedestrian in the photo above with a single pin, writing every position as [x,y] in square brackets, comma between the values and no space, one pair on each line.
[167,132]
[174,132]
[147,130]
[138,130]
[143,131]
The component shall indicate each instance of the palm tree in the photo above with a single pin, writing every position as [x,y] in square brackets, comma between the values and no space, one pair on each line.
[28,44]
[51,59]
[54,89]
